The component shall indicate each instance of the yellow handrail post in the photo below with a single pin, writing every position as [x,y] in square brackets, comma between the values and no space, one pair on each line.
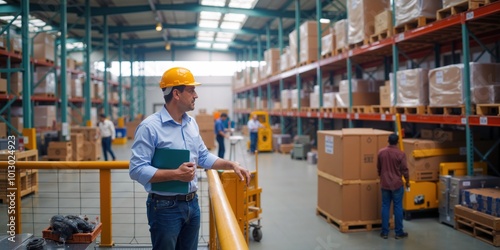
[211,221]
[17,208]
[105,192]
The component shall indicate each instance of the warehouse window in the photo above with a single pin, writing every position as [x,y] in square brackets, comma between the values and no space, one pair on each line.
[199,68]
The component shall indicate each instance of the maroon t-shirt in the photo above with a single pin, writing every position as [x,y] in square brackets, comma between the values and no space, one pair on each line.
[391,166]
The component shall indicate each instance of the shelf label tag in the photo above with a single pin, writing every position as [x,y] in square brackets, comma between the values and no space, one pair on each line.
[469,15]
[393,117]
[349,53]
[463,150]
[356,116]
[463,120]
[403,118]
[308,113]
[382,117]
[483,120]
[400,37]
[348,116]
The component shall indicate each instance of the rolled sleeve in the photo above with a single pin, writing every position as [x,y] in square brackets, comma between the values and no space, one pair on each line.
[140,168]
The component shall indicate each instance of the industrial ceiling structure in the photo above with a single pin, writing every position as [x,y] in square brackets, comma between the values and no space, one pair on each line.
[153,25]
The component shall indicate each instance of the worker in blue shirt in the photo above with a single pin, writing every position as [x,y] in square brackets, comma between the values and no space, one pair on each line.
[174,218]
[220,133]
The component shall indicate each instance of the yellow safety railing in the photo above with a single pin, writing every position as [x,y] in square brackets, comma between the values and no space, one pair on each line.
[228,232]
[226,226]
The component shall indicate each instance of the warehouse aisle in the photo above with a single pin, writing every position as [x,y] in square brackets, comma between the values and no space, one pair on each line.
[289,221]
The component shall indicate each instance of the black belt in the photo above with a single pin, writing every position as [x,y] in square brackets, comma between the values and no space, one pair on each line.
[180,197]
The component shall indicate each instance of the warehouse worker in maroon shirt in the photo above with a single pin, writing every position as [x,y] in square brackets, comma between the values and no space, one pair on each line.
[391,166]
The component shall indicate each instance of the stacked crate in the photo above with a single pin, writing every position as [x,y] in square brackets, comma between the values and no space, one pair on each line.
[272,58]
[43,46]
[364,92]
[206,125]
[92,146]
[348,191]
[308,42]
[361,19]
[45,78]
[45,116]
[77,140]
[60,151]
[28,177]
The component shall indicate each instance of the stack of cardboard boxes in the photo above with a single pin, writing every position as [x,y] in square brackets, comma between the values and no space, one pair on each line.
[60,151]
[308,42]
[348,182]
[91,142]
[361,22]
[43,46]
[206,124]
[77,140]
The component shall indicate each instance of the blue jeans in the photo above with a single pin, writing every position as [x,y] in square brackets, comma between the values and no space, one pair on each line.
[253,141]
[396,196]
[173,224]
[106,147]
[222,149]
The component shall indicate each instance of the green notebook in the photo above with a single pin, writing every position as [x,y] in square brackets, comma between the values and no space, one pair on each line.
[165,158]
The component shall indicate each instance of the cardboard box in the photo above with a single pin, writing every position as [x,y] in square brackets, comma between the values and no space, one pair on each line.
[426,134]
[3,130]
[342,99]
[77,146]
[385,96]
[16,82]
[3,86]
[448,135]
[351,201]
[286,148]
[42,51]
[383,22]
[92,150]
[413,87]
[361,18]
[327,44]
[208,137]
[354,152]
[340,28]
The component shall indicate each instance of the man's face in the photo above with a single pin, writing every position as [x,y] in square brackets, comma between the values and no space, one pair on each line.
[187,98]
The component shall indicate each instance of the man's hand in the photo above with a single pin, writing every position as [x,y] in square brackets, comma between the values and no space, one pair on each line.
[242,172]
[186,171]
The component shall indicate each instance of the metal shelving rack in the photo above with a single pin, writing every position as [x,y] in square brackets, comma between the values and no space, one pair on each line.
[437,37]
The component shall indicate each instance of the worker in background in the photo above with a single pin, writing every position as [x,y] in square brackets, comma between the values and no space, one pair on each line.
[107,132]
[174,218]
[391,166]
[220,133]
[253,128]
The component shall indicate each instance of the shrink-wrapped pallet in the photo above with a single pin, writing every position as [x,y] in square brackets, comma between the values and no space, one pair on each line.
[408,10]
[340,28]
[413,87]
[361,15]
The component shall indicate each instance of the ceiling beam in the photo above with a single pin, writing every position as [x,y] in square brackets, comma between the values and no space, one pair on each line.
[183,47]
[9,9]
[188,7]
[191,27]
[189,40]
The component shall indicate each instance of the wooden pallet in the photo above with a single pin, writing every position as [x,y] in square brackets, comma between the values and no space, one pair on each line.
[329,54]
[351,226]
[415,23]
[327,110]
[340,50]
[341,110]
[378,109]
[51,95]
[362,109]
[488,109]
[451,110]
[459,8]
[306,62]
[479,225]
[45,60]
[419,110]
[308,109]
[365,41]
[381,36]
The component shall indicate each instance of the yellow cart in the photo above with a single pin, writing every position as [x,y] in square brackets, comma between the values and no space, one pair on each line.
[245,201]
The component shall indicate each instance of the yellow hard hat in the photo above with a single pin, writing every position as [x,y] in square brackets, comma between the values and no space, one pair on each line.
[176,77]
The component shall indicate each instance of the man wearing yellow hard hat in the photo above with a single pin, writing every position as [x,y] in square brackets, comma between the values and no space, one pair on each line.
[173,215]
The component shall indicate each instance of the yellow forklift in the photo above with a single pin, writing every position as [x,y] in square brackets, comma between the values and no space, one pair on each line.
[265,134]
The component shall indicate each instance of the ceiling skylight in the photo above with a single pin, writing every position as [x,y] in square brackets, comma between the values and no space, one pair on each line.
[208,15]
[208,24]
[223,40]
[220,45]
[235,17]
[244,4]
[225,35]
[230,25]
[213,2]
[203,45]
[205,38]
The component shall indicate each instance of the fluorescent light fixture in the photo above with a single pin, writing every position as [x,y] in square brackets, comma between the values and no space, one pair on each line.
[167,46]
[235,17]
[208,24]
[324,20]
[223,40]
[230,25]
[2,2]
[206,33]
[214,2]
[6,18]
[220,45]
[226,35]
[208,15]
[159,27]
[203,45]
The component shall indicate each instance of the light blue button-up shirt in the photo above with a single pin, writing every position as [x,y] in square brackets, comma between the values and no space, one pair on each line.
[161,131]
